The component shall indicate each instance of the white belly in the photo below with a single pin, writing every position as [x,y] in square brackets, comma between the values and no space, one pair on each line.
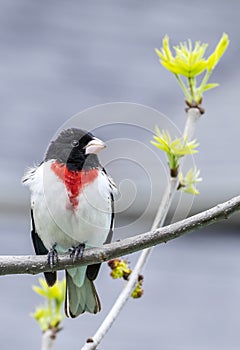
[57,222]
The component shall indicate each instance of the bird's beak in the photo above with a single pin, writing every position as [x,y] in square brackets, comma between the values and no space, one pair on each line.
[95,146]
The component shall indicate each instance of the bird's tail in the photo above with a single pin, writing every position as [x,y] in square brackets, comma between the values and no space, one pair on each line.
[81,294]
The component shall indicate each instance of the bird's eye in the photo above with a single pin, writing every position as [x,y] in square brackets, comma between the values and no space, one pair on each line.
[75,143]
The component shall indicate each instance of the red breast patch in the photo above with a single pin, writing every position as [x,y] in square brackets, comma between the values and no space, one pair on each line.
[74,180]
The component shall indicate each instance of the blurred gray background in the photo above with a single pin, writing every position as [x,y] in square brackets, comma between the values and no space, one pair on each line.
[58,58]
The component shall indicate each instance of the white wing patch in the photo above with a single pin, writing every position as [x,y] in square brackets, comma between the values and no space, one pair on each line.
[29,175]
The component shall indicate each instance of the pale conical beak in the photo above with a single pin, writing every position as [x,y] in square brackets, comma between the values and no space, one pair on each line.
[95,146]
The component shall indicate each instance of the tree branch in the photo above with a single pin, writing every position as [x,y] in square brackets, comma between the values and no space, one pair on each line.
[193,114]
[36,264]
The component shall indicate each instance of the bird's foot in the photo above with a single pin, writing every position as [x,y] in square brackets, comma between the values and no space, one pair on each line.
[77,252]
[52,256]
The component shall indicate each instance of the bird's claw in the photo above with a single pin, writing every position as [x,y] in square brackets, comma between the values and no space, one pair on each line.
[52,256]
[77,252]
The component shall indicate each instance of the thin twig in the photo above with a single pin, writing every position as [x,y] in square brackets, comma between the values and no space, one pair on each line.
[48,338]
[133,278]
[193,115]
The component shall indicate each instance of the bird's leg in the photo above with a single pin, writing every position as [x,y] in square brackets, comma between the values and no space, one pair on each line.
[77,252]
[52,256]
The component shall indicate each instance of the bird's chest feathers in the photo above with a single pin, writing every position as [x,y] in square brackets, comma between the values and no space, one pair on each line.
[74,181]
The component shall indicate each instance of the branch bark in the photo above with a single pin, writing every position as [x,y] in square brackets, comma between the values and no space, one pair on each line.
[32,264]
[193,115]
[48,338]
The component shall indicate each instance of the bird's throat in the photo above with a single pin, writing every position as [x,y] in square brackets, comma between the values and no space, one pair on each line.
[74,181]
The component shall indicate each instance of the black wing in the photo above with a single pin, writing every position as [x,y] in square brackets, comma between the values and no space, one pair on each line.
[40,249]
[92,270]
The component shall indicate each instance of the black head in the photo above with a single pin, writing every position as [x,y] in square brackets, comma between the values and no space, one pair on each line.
[76,148]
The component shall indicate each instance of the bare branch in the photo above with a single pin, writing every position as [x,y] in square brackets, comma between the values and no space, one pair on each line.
[193,114]
[36,264]
[48,338]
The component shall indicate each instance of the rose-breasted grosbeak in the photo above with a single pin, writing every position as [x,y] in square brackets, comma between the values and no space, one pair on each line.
[72,207]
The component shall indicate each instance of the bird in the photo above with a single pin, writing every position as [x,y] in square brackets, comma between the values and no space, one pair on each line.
[72,208]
